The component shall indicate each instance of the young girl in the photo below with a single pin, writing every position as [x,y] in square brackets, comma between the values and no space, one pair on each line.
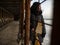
[36,16]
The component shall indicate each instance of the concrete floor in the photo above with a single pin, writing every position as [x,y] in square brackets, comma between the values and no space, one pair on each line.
[8,36]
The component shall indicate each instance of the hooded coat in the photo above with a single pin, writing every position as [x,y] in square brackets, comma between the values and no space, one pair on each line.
[33,24]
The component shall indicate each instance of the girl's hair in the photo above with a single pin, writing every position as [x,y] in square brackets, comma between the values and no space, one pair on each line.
[34,7]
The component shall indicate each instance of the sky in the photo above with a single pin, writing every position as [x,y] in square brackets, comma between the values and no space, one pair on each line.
[47,8]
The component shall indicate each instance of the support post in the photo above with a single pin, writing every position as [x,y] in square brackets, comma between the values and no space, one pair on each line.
[21,16]
[20,33]
[27,21]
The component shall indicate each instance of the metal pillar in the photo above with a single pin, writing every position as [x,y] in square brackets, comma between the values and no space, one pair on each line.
[26,4]
[21,16]
[20,33]
[27,21]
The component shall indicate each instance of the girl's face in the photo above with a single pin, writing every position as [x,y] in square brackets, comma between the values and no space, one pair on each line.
[39,8]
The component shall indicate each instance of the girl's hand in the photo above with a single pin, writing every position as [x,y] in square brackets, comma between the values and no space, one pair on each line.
[33,29]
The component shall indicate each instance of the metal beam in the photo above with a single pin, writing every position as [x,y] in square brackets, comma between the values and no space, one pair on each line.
[43,1]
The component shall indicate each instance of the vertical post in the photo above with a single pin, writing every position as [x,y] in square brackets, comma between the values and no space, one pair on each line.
[20,34]
[27,21]
[2,16]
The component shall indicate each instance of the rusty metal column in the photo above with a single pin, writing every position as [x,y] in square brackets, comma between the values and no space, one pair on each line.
[27,21]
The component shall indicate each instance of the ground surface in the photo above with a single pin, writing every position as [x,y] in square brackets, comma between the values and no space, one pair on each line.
[8,35]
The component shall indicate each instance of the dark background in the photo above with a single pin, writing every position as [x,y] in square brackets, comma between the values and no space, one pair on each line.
[55,37]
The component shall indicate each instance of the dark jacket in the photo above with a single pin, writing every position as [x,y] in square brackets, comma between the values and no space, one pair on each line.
[33,24]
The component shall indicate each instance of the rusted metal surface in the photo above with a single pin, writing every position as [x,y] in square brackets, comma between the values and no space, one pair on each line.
[27,21]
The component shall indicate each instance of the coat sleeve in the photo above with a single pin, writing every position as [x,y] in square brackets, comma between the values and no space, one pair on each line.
[32,21]
[43,29]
